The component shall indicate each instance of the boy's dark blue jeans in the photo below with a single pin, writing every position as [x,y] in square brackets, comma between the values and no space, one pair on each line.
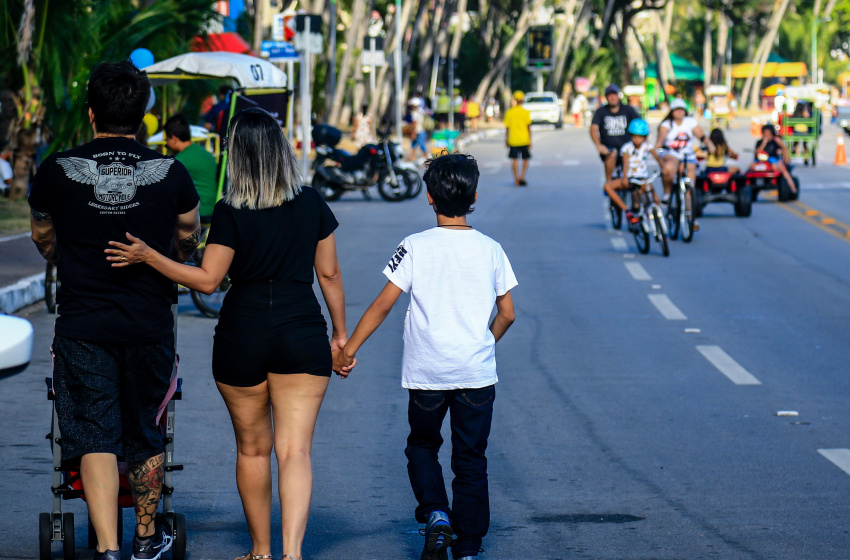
[471,413]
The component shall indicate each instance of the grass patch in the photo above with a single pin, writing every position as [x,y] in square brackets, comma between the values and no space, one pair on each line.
[14,216]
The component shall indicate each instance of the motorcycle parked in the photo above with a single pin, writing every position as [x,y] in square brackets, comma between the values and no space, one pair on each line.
[378,165]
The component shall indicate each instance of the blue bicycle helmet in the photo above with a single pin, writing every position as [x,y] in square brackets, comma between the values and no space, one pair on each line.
[639,127]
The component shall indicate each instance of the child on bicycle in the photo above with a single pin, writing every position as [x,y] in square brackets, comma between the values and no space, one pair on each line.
[716,160]
[635,155]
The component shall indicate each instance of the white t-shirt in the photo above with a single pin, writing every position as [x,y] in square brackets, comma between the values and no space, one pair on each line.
[453,277]
[637,159]
[680,137]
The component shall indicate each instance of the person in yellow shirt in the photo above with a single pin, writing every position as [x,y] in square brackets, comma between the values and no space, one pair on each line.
[473,111]
[518,137]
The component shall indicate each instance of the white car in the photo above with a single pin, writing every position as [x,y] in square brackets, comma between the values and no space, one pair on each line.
[545,107]
[15,345]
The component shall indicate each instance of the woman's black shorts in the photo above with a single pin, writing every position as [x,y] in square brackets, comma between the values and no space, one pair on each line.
[270,327]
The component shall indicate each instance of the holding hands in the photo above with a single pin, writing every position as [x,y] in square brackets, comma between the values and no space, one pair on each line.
[342,363]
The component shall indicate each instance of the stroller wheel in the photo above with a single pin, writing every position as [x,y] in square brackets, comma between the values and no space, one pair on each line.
[69,544]
[45,535]
[178,532]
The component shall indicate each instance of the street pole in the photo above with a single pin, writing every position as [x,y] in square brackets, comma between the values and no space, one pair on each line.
[372,50]
[814,49]
[332,63]
[306,109]
[450,89]
[290,109]
[398,70]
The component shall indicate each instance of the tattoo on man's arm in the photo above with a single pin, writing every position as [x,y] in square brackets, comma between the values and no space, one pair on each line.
[40,216]
[188,245]
[146,485]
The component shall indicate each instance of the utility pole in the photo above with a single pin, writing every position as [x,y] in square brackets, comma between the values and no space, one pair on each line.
[399,29]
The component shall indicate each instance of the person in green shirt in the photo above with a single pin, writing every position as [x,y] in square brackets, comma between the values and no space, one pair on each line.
[200,164]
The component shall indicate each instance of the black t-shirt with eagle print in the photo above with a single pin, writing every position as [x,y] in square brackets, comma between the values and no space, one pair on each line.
[94,194]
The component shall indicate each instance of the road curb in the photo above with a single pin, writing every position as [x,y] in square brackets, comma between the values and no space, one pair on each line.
[478,136]
[21,294]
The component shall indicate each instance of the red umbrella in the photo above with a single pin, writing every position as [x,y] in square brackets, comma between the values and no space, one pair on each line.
[222,42]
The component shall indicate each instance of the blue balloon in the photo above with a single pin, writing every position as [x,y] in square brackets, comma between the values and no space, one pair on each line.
[151,101]
[142,58]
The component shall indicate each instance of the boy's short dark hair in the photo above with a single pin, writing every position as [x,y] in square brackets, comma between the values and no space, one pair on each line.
[118,94]
[452,180]
[178,127]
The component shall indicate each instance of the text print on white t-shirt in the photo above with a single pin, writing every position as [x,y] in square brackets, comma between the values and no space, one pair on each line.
[399,254]
[615,125]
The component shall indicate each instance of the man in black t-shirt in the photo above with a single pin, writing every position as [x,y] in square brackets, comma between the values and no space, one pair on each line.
[114,344]
[608,129]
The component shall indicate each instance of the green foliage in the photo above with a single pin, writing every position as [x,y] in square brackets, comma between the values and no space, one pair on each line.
[73,36]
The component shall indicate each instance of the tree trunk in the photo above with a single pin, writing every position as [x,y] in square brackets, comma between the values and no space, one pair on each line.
[748,84]
[564,35]
[706,51]
[578,36]
[775,22]
[354,39]
[660,55]
[520,31]
[720,51]
[665,43]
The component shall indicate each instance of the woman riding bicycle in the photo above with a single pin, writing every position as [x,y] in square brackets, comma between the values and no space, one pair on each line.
[676,133]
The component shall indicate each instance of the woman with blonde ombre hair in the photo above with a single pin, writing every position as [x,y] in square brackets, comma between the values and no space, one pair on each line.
[271,357]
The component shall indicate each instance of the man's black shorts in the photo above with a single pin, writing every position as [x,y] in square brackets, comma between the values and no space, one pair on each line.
[108,396]
[619,155]
[519,152]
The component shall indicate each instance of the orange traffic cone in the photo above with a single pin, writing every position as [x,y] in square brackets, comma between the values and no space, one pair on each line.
[840,154]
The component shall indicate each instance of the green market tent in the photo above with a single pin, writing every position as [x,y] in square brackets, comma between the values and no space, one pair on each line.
[682,69]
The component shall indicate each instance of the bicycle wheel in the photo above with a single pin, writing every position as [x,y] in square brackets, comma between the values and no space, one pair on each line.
[673,213]
[51,286]
[687,216]
[641,232]
[659,233]
[210,305]
[616,215]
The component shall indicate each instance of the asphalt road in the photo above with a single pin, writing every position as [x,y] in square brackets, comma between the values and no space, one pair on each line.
[636,416]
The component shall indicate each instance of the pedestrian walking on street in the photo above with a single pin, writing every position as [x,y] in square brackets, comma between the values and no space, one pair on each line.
[449,363]
[518,137]
[271,357]
[114,344]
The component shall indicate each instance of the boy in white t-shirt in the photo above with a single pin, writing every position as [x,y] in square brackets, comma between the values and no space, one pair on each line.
[454,275]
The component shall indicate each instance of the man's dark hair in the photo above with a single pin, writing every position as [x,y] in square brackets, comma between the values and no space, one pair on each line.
[178,127]
[452,180]
[118,94]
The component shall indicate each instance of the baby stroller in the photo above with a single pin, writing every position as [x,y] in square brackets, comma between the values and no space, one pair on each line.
[67,485]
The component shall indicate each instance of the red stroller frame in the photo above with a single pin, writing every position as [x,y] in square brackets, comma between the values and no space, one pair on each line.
[67,484]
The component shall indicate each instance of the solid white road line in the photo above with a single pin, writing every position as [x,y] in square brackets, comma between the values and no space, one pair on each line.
[838,457]
[663,304]
[637,271]
[13,237]
[619,244]
[727,366]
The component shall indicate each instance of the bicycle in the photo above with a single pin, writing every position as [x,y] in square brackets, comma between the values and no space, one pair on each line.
[613,209]
[209,305]
[680,209]
[652,221]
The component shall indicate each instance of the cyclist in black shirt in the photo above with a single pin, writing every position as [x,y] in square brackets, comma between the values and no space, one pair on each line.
[608,130]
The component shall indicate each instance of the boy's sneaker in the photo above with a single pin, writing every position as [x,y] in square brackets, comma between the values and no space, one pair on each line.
[438,537]
[107,555]
[151,548]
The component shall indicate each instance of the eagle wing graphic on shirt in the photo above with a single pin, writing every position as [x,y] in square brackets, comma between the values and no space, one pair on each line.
[115,183]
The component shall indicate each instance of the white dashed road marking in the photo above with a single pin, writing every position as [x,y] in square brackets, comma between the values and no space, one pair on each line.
[13,237]
[727,366]
[619,244]
[838,457]
[663,304]
[637,271]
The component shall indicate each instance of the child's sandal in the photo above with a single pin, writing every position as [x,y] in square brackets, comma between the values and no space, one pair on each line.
[252,556]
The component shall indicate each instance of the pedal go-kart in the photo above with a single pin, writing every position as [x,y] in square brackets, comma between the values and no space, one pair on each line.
[723,186]
[764,175]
